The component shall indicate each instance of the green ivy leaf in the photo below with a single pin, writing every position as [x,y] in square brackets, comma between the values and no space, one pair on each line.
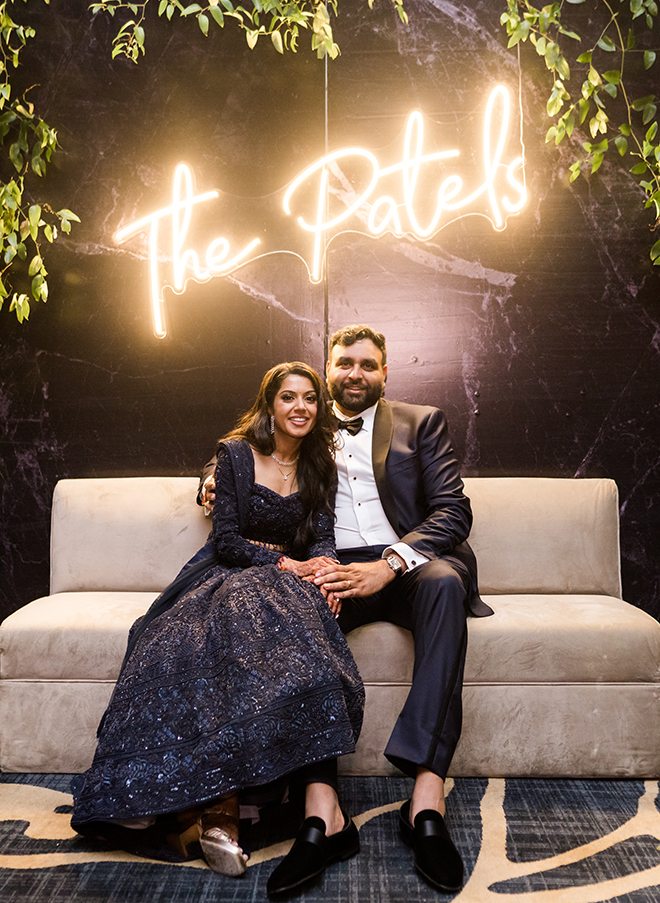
[655,253]
[570,124]
[649,112]
[35,265]
[649,58]
[516,37]
[607,44]
[16,156]
[621,145]
[276,38]
[203,22]
[642,102]
[20,304]
[218,16]
[563,68]
[66,214]
[551,54]
[583,108]
[585,57]
[638,169]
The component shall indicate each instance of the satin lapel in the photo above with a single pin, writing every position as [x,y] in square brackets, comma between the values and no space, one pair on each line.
[382,440]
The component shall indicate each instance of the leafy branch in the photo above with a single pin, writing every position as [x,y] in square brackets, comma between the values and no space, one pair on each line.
[605,79]
[30,142]
[281,20]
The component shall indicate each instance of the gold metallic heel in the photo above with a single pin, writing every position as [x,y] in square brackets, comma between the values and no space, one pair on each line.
[219,838]
[222,854]
[215,827]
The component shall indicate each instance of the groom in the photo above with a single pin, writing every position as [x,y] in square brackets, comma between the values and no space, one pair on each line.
[401,524]
[402,521]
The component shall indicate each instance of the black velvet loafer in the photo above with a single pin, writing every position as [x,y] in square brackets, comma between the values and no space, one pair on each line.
[311,853]
[436,858]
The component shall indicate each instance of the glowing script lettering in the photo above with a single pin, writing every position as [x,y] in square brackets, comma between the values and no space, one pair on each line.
[415,197]
[183,259]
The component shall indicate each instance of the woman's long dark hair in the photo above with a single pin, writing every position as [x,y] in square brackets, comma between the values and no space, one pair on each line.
[316,472]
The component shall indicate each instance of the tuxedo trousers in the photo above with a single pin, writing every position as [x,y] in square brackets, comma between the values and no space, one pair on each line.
[431,601]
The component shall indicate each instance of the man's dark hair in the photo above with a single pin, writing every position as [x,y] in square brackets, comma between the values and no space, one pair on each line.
[348,335]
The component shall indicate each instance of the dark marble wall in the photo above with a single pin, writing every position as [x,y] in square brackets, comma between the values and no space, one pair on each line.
[540,342]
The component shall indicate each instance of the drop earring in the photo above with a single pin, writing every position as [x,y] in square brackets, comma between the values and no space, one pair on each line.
[272,424]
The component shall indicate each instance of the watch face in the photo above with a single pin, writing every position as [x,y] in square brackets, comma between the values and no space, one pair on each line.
[394,563]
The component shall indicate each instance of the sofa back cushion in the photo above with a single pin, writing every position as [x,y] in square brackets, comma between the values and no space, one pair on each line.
[530,534]
[123,533]
[542,535]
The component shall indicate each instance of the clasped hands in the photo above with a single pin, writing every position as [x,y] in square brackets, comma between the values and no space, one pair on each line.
[341,581]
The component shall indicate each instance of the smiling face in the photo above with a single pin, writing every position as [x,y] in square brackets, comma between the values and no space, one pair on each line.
[356,376]
[294,407]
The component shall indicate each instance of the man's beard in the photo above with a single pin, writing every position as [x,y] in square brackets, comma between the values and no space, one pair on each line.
[355,403]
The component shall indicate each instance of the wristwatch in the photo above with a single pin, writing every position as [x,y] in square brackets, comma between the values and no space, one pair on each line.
[395,564]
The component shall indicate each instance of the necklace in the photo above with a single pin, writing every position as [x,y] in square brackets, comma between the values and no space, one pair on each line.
[284,464]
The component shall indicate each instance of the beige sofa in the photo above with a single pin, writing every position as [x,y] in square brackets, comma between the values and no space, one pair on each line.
[563,680]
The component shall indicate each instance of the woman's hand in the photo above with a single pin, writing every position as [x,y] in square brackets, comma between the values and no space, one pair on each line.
[306,569]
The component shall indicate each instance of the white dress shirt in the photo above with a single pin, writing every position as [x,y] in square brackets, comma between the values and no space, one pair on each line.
[360,517]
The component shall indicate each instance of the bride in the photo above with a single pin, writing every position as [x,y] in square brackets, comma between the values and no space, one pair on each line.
[238,677]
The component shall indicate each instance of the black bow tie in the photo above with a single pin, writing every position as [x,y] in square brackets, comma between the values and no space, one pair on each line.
[352,427]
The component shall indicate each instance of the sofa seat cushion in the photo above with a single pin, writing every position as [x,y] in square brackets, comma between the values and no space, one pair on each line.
[70,636]
[532,639]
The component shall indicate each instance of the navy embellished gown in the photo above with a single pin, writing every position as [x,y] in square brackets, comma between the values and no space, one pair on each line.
[242,679]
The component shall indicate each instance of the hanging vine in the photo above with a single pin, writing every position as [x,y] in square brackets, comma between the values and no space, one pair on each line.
[29,143]
[280,20]
[602,108]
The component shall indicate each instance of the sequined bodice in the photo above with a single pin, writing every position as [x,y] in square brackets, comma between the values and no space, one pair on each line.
[272,518]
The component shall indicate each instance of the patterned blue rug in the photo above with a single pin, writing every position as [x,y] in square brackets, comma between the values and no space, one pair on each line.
[523,841]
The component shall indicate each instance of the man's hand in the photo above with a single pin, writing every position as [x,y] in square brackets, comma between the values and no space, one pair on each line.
[207,495]
[362,578]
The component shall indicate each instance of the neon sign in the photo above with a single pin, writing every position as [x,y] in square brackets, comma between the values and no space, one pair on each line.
[392,199]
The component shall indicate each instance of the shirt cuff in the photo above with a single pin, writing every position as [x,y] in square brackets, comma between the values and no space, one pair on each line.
[412,558]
